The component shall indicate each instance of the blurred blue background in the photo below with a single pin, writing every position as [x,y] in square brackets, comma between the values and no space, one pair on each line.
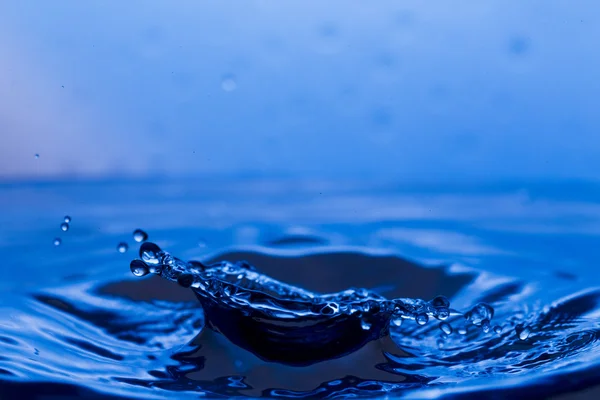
[408,91]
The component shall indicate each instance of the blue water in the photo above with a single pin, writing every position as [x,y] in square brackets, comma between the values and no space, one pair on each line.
[74,320]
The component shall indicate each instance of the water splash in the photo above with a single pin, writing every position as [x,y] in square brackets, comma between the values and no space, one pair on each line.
[341,322]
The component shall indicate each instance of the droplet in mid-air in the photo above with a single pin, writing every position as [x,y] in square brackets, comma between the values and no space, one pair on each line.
[446,328]
[64,227]
[140,236]
[138,268]
[122,247]
[36,156]
[57,241]
[422,319]
[462,330]
[365,325]
[498,329]
[67,219]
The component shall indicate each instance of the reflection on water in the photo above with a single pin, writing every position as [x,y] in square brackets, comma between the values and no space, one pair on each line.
[73,318]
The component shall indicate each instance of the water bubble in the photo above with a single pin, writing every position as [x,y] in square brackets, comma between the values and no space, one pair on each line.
[485,326]
[149,252]
[228,83]
[446,328]
[57,241]
[462,330]
[64,227]
[138,268]
[365,325]
[440,344]
[479,313]
[440,302]
[185,280]
[36,156]
[396,321]
[330,308]
[67,219]
[140,236]
[498,329]
[122,247]
[524,334]
[422,319]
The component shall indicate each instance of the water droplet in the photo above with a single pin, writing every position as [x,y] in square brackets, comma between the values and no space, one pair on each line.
[462,331]
[57,241]
[67,219]
[138,268]
[64,227]
[185,280]
[498,329]
[122,247]
[396,321]
[480,312]
[524,334]
[36,156]
[440,302]
[440,344]
[442,313]
[228,83]
[485,326]
[422,319]
[365,325]
[446,328]
[140,236]
[150,252]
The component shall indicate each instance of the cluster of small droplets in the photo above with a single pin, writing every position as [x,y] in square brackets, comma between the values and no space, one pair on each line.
[139,236]
[64,226]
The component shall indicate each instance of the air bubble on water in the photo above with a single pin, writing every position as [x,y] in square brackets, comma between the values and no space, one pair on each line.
[422,319]
[138,268]
[485,326]
[440,344]
[479,313]
[140,236]
[228,83]
[462,330]
[67,219]
[365,325]
[446,328]
[122,247]
[524,334]
[64,227]
[57,241]
[396,321]
[150,252]
[498,329]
